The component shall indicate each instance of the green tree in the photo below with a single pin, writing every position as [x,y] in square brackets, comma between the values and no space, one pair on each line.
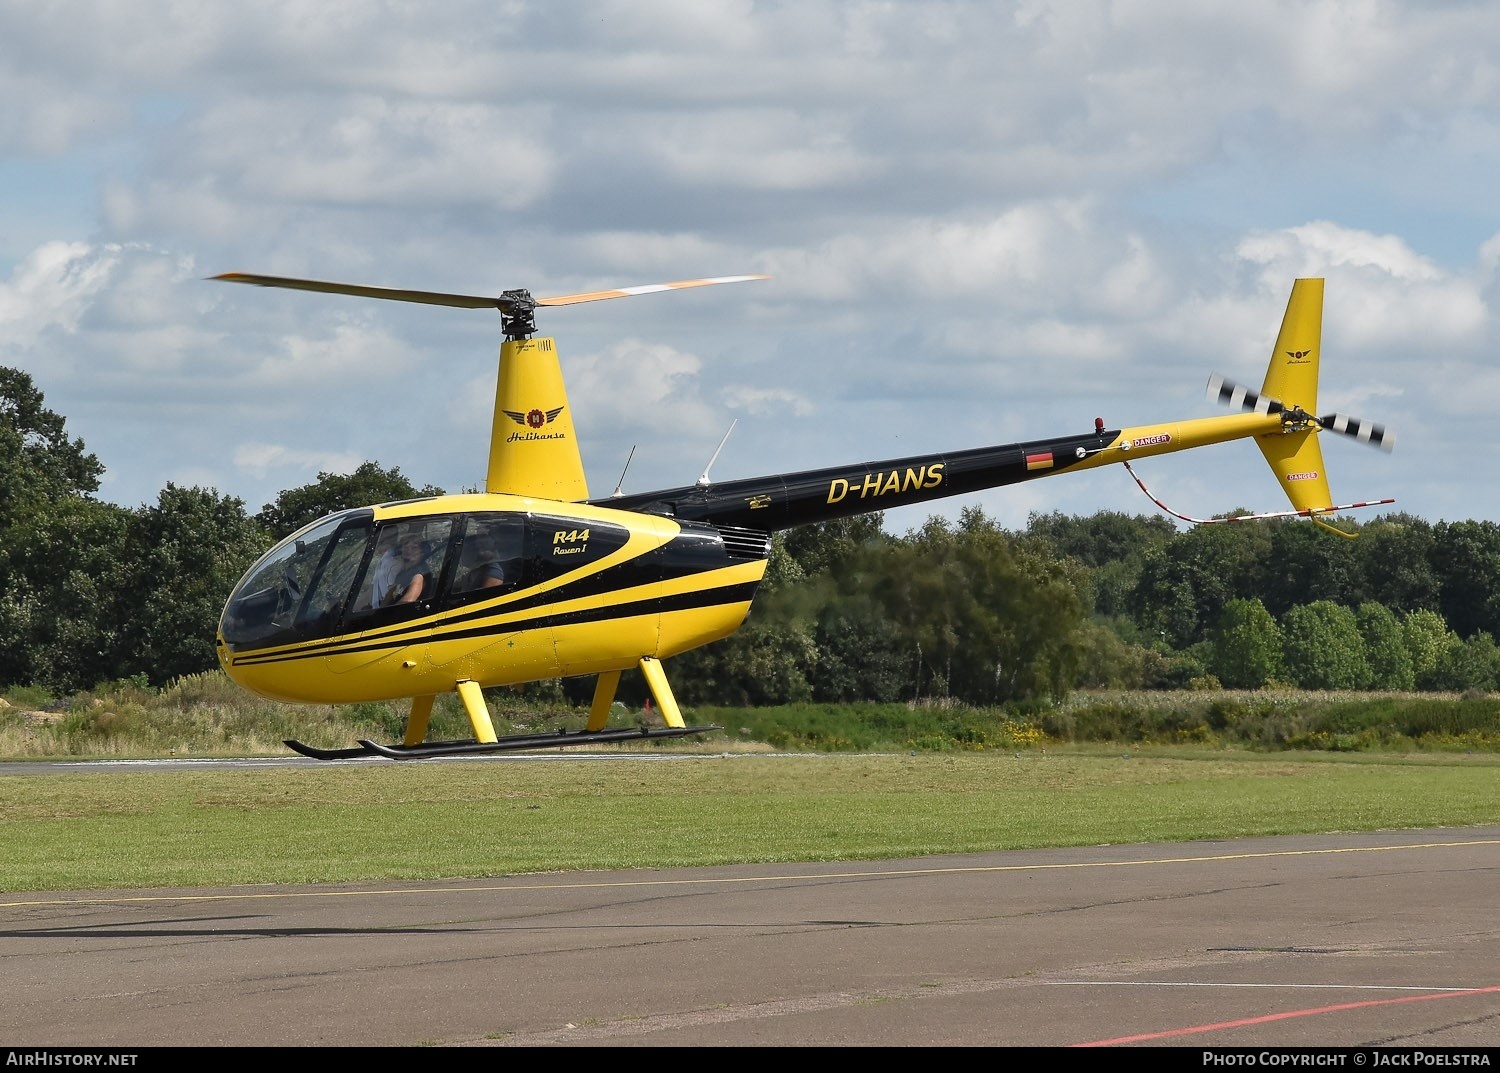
[1428,639]
[1186,583]
[1105,537]
[1395,557]
[331,492]
[1473,663]
[59,548]
[859,654]
[186,552]
[1108,661]
[828,547]
[766,661]
[1385,648]
[1305,564]
[1322,648]
[63,618]
[39,464]
[1111,544]
[1466,560]
[984,618]
[1245,648]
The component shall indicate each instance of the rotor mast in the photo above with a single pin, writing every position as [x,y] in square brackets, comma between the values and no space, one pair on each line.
[517,313]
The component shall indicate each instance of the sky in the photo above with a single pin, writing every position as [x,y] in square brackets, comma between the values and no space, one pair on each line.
[984,223]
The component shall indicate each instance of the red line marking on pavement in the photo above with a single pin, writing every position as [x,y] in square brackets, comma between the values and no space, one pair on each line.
[1285,1016]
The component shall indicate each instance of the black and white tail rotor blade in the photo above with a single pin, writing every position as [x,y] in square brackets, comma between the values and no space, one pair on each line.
[1240,397]
[1364,431]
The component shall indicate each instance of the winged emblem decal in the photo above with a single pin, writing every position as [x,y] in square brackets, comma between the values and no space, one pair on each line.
[534,418]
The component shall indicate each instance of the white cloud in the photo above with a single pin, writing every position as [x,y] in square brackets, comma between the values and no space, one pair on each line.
[53,288]
[983,220]
[636,386]
[1316,247]
[766,401]
[260,459]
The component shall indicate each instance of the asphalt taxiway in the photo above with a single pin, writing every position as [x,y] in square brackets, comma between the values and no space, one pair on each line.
[1388,939]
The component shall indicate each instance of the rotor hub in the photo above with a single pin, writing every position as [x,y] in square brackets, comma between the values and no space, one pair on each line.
[1296,419]
[517,313]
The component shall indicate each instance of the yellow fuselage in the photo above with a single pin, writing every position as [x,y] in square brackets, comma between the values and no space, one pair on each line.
[598,590]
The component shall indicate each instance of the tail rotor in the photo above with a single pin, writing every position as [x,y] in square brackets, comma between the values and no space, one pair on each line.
[1239,397]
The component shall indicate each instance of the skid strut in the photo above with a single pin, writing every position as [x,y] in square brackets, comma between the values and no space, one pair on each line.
[485,740]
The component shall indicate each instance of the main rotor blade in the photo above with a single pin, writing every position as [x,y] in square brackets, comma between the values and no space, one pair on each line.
[650,288]
[510,301]
[436,298]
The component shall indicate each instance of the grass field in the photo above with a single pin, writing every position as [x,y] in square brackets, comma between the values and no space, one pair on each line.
[379,820]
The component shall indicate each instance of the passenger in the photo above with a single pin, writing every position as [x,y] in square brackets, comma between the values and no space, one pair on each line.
[402,575]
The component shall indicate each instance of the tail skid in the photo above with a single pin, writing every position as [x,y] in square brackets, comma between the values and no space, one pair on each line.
[1313,514]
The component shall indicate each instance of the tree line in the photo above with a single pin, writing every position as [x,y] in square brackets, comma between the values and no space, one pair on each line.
[976,613]
[984,616]
[91,592]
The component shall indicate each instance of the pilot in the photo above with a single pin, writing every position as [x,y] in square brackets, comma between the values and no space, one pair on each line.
[402,575]
[487,573]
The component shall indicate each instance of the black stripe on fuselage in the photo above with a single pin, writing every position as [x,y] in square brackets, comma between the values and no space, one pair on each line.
[694,550]
[428,631]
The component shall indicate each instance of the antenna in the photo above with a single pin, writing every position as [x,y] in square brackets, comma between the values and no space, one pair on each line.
[703,481]
[616,494]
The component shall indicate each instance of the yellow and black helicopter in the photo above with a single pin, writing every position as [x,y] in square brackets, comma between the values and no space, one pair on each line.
[531,579]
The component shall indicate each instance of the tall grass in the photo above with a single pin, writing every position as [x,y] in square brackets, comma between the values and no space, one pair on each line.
[208,715]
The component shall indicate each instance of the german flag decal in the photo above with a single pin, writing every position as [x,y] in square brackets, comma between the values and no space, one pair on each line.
[1039,461]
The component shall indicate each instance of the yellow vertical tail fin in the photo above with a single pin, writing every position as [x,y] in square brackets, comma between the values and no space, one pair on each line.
[1292,376]
[533,445]
[1294,454]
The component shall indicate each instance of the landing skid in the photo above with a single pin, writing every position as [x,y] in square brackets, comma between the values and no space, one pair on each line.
[326,754]
[468,747]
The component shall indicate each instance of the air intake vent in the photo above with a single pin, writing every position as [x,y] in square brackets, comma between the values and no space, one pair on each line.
[745,543]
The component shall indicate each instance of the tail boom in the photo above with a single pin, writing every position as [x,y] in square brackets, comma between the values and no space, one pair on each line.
[784,501]
[1294,455]
[1280,422]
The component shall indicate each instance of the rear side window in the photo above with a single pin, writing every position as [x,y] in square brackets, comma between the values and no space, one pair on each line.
[490,558]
